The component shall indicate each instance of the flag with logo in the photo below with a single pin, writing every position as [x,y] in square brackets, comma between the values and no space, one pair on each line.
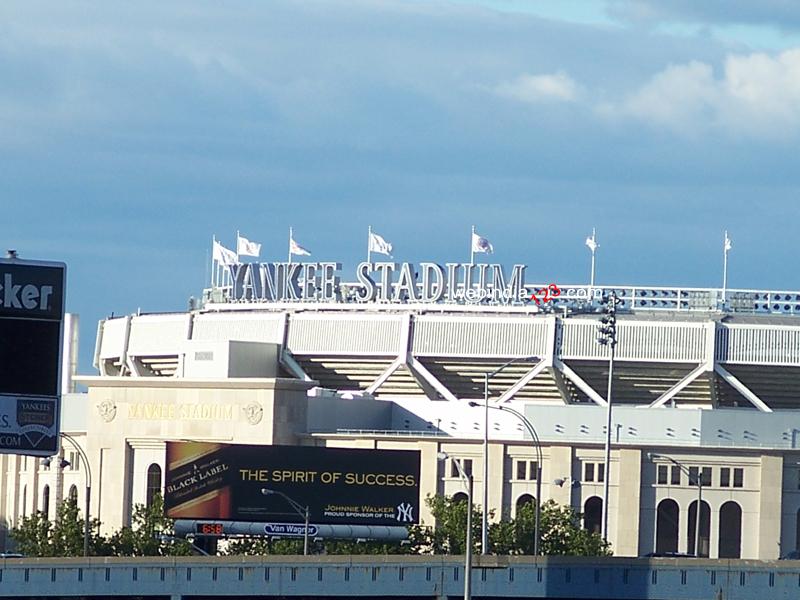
[591,242]
[727,244]
[295,248]
[481,244]
[379,245]
[247,248]
[223,255]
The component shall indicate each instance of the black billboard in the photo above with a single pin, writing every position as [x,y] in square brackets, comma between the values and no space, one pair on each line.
[274,484]
[31,322]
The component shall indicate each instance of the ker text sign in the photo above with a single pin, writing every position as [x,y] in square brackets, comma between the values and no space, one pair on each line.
[31,330]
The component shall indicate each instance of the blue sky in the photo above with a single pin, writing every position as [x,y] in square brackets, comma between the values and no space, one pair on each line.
[132,133]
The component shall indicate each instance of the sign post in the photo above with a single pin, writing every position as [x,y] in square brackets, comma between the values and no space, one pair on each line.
[31,332]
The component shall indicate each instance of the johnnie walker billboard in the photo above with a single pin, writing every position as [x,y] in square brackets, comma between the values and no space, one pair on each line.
[340,486]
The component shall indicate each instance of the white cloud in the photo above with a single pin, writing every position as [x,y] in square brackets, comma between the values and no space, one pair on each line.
[537,88]
[755,95]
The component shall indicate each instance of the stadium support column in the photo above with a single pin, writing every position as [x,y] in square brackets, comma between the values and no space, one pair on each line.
[770,504]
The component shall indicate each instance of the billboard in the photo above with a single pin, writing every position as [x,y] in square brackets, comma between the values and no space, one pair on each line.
[340,486]
[31,330]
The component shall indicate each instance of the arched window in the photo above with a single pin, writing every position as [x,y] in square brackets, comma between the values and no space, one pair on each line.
[730,530]
[705,528]
[667,522]
[593,515]
[73,493]
[525,499]
[459,497]
[46,501]
[153,482]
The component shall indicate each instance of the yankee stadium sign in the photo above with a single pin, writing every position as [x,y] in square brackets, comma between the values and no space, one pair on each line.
[378,281]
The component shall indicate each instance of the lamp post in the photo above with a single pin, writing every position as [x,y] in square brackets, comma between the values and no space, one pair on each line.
[298,508]
[607,336]
[467,479]
[699,483]
[537,444]
[85,460]
[485,516]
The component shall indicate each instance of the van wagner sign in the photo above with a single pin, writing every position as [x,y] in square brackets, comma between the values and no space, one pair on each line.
[381,281]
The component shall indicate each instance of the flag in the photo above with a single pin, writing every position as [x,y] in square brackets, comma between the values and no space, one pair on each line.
[481,244]
[728,244]
[591,243]
[247,248]
[379,245]
[224,256]
[295,248]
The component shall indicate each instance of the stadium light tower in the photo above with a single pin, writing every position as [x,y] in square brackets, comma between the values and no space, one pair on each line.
[607,336]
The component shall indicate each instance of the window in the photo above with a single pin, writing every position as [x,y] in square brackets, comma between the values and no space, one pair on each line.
[675,475]
[705,476]
[738,478]
[153,482]
[527,470]
[74,461]
[46,501]
[588,471]
[73,493]
[601,472]
[725,477]
[694,474]
[466,464]
[662,474]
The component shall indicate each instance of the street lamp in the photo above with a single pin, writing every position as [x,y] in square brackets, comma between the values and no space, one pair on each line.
[298,508]
[65,463]
[485,516]
[607,336]
[699,483]
[537,444]
[467,479]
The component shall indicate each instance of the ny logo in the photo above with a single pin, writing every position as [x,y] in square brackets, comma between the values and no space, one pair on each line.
[405,513]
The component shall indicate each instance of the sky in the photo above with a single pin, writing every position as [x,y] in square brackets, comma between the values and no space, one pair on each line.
[131,133]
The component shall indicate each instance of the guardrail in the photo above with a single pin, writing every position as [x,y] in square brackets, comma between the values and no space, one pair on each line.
[402,577]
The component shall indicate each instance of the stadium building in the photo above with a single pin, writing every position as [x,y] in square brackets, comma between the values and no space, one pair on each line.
[706,386]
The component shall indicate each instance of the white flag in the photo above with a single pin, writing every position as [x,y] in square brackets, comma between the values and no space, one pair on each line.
[481,244]
[379,245]
[247,248]
[224,256]
[591,243]
[295,248]
[728,244]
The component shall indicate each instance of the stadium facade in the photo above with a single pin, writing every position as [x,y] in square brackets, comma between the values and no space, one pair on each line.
[706,386]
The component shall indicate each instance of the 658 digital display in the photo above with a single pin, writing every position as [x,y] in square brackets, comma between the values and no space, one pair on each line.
[209,529]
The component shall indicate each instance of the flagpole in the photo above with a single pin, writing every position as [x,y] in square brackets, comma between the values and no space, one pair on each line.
[725,267]
[369,244]
[290,245]
[472,247]
[594,247]
[237,245]
[213,244]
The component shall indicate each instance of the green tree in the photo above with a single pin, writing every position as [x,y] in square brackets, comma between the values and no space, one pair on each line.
[37,536]
[449,534]
[561,531]
[150,534]
[563,534]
